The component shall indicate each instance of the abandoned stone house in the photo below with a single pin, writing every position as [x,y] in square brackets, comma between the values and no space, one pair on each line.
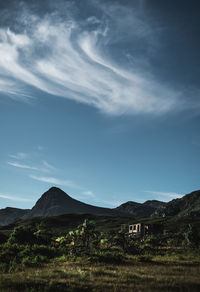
[139,229]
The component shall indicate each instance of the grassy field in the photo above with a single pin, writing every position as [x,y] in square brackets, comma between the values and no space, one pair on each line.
[54,254]
[134,273]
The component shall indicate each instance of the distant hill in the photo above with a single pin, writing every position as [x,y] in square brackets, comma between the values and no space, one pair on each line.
[56,202]
[154,203]
[188,205]
[10,215]
[140,209]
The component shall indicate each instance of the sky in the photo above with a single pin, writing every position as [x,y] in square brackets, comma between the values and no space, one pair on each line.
[99,98]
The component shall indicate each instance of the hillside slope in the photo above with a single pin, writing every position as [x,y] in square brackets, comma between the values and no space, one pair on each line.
[140,209]
[188,205]
[56,202]
[9,215]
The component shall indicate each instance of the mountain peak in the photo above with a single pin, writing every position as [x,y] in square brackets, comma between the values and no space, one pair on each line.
[55,192]
[54,189]
[56,202]
[154,203]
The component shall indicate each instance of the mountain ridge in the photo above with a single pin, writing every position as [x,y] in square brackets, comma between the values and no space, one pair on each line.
[56,202]
[9,215]
[188,205]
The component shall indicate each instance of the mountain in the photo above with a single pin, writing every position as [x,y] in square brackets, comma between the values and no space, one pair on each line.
[10,215]
[140,209]
[188,205]
[56,202]
[154,203]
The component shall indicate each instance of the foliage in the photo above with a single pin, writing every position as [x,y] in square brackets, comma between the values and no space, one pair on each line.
[32,245]
[191,236]
[22,235]
[29,235]
[14,256]
[3,238]
[83,239]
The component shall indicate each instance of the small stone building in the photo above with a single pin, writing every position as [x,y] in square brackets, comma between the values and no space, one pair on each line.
[141,229]
[138,229]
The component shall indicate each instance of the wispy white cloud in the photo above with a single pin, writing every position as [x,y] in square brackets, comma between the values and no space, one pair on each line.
[14,198]
[47,166]
[43,167]
[20,155]
[54,181]
[167,195]
[112,204]
[75,65]
[88,193]
[20,165]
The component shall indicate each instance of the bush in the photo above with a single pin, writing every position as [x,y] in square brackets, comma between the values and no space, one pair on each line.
[82,240]
[22,235]
[44,250]
[34,261]
[191,237]
[12,256]
[29,235]
[3,238]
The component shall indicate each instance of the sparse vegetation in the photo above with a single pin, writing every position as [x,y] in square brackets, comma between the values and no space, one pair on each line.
[92,257]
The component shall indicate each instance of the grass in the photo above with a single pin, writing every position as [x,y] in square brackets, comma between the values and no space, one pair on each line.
[164,265]
[156,273]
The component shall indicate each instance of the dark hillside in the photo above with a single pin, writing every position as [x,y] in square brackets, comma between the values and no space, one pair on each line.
[56,202]
[9,215]
[188,205]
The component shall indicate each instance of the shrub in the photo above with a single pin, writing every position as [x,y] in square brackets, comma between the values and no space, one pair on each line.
[3,238]
[81,240]
[34,261]
[44,250]
[22,235]
[191,236]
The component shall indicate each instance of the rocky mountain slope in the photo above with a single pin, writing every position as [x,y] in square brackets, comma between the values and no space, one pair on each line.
[140,209]
[56,202]
[188,205]
[154,203]
[10,215]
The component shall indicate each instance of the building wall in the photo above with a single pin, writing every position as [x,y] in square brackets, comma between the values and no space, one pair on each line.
[135,228]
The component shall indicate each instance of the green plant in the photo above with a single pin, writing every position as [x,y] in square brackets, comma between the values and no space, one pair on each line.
[191,236]
[33,260]
[82,239]
[3,238]
[22,235]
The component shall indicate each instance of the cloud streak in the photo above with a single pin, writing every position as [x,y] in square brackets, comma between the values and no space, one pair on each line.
[44,167]
[54,181]
[67,58]
[168,195]
[88,194]
[20,155]
[14,198]
[20,165]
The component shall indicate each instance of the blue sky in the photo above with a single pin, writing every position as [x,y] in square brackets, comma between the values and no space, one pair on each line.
[99,98]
